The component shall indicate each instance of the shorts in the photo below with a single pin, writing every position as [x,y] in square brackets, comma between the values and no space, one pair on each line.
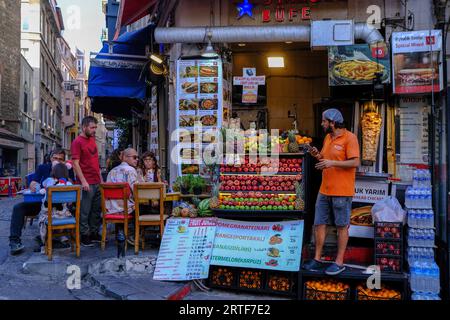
[330,206]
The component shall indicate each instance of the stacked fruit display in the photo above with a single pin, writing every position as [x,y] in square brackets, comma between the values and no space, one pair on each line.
[261,166]
[385,293]
[389,246]
[257,201]
[258,183]
[326,290]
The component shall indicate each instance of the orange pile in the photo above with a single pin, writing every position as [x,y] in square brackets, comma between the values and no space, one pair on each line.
[326,290]
[384,293]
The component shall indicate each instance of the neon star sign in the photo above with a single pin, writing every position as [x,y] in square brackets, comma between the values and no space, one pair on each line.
[245,8]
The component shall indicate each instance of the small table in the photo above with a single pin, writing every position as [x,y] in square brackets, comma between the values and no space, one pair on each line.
[172,196]
[32,197]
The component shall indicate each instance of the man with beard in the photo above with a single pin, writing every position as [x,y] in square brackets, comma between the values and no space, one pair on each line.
[338,161]
[87,169]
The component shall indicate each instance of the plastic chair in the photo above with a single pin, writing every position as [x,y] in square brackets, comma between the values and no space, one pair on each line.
[145,193]
[63,194]
[115,191]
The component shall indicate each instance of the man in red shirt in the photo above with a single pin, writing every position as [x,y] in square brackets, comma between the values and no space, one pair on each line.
[87,169]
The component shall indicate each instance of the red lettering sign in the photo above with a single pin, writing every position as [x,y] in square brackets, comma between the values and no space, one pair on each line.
[266,15]
[279,14]
[431,40]
[378,53]
[306,13]
[292,14]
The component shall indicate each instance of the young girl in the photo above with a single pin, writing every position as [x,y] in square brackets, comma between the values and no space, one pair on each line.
[58,177]
[148,168]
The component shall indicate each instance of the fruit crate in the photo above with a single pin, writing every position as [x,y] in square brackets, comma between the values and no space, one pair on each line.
[388,247]
[389,263]
[251,280]
[385,293]
[388,231]
[281,282]
[223,277]
[310,293]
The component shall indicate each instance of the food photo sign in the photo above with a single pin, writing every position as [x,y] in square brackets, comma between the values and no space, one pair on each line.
[199,101]
[416,61]
[358,64]
[260,245]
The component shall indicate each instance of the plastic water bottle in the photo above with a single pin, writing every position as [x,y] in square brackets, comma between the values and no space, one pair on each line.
[430,198]
[414,275]
[408,197]
[428,178]
[435,276]
[430,218]
[411,218]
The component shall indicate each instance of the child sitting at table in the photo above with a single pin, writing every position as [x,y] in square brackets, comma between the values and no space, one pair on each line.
[59,177]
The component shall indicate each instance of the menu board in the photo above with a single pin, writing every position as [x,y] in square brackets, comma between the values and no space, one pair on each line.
[199,112]
[414,136]
[154,130]
[185,251]
[358,64]
[417,57]
[260,245]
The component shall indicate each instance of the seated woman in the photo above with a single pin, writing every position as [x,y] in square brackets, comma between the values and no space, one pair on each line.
[149,171]
[59,177]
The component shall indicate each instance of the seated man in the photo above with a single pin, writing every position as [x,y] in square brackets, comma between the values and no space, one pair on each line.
[124,173]
[23,209]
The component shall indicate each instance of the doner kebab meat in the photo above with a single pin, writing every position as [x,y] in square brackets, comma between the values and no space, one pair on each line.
[371,127]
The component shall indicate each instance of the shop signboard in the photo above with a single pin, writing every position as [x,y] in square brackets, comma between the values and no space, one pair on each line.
[249,82]
[358,64]
[199,112]
[367,193]
[186,248]
[260,245]
[417,62]
[154,129]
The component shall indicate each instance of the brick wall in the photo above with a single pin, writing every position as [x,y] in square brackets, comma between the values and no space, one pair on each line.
[10,63]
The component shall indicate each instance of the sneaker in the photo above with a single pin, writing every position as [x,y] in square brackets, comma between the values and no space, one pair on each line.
[95,237]
[16,247]
[313,265]
[334,269]
[86,241]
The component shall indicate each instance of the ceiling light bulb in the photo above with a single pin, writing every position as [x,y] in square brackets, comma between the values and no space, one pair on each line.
[209,51]
[241,44]
[156,59]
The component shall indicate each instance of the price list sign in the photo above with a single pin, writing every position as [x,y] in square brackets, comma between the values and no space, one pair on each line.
[186,248]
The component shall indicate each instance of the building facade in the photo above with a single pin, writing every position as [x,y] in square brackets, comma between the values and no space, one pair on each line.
[27,121]
[42,24]
[10,140]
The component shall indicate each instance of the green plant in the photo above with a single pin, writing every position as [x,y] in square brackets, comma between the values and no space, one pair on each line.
[177,184]
[197,182]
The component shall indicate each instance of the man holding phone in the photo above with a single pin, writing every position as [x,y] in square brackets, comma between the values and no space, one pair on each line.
[338,161]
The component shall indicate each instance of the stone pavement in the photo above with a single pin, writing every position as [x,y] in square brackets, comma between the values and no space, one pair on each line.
[30,276]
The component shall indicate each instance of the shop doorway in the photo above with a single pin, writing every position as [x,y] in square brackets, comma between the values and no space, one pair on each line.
[287,99]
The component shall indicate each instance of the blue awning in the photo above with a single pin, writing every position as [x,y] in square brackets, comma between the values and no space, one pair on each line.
[115,73]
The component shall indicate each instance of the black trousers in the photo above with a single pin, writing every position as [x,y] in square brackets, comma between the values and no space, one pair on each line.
[19,212]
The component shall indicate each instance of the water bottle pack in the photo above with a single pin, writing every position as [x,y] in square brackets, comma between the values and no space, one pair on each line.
[421,218]
[425,296]
[418,198]
[421,238]
[421,179]
[425,277]
[415,254]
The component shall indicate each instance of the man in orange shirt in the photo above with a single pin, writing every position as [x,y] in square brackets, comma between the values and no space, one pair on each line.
[338,161]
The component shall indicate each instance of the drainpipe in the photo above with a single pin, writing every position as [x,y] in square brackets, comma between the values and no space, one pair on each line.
[249,34]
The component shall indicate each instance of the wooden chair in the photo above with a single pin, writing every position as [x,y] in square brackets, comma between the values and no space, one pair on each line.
[144,193]
[65,226]
[115,191]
